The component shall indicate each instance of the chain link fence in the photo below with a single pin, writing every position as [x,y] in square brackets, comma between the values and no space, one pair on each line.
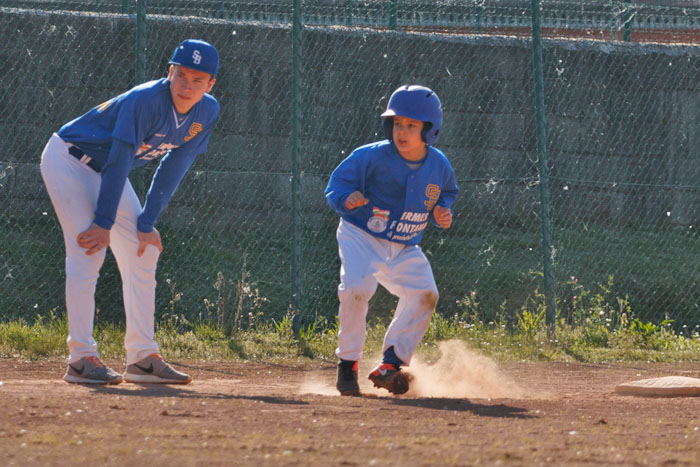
[249,234]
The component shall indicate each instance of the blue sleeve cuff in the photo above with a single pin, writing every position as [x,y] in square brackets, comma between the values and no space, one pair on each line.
[104,222]
[144,227]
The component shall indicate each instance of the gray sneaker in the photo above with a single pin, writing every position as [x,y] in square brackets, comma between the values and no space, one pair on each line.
[91,370]
[153,369]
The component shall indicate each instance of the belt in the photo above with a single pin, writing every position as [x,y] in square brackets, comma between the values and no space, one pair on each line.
[84,158]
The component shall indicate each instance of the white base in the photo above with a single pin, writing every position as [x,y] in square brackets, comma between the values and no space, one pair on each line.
[668,386]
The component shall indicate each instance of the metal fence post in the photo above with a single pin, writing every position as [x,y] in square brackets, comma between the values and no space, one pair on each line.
[478,14]
[138,177]
[295,236]
[543,166]
[140,75]
[393,13]
[627,15]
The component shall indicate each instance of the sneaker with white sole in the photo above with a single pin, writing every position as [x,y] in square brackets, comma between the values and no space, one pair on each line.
[153,369]
[91,370]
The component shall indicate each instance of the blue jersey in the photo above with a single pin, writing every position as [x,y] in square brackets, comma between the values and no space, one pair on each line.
[401,199]
[134,128]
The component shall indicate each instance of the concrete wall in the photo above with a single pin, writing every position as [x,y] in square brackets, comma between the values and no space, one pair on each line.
[622,118]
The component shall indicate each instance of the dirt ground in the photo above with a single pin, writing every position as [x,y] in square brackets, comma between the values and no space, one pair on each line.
[469,411]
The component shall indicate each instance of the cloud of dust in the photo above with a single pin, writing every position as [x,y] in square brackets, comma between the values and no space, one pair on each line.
[461,373]
[314,384]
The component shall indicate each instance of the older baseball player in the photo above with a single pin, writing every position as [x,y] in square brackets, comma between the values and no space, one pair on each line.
[386,194]
[85,167]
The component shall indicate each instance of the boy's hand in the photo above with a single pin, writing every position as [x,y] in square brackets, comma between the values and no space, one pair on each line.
[443,216]
[93,239]
[150,238]
[355,200]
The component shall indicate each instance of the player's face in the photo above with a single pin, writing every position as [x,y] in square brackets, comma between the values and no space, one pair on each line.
[188,86]
[407,138]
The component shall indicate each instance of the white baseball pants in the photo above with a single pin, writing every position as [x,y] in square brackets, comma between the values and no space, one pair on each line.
[73,188]
[403,270]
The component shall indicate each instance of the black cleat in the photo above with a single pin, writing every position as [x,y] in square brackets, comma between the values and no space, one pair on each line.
[347,379]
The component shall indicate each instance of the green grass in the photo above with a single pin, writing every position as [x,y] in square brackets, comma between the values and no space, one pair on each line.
[592,339]
[211,274]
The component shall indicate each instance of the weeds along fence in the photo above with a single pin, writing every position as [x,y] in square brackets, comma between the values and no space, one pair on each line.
[602,165]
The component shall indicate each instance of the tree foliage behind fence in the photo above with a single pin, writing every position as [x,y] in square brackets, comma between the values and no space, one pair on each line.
[249,234]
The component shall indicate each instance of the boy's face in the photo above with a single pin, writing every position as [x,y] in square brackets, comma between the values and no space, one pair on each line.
[407,138]
[188,86]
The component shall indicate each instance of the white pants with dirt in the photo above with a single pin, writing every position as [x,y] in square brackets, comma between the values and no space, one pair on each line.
[403,270]
[73,188]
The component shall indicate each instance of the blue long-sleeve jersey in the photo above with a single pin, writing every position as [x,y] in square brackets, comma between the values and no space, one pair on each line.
[134,128]
[401,200]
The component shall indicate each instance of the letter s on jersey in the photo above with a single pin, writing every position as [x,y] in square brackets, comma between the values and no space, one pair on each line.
[195,128]
[433,193]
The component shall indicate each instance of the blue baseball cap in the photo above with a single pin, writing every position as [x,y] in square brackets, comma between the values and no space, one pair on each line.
[198,55]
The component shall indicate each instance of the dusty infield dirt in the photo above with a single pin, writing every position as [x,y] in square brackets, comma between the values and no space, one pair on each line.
[289,414]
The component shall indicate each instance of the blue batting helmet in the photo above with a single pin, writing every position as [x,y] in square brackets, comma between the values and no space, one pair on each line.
[418,103]
[198,55]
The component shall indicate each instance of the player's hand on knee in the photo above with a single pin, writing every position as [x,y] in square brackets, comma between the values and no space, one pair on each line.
[443,216]
[355,200]
[149,238]
[93,239]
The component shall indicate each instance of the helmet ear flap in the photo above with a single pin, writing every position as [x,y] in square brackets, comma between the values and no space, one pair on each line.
[388,127]
[427,126]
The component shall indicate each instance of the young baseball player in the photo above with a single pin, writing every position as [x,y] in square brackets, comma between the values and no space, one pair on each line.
[85,167]
[386,194]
